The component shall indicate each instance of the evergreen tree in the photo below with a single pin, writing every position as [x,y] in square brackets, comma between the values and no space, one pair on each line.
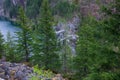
[98,47]
[45,52]
[1,45]
[87,48]
[23,36]
[112,22]
[10,47]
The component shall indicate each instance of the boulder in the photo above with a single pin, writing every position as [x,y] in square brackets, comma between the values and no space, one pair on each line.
[14,71]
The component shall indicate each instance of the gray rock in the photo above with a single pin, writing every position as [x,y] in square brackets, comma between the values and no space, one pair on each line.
[14,71]
[1,70]
[2,79]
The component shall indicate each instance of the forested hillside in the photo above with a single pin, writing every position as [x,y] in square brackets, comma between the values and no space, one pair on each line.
[61,40]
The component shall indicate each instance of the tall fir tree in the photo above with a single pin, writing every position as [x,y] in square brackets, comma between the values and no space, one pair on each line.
[45,52]
[1,45]
[98,47]
[87,47]
[113,21]
[10,47]
[23,35]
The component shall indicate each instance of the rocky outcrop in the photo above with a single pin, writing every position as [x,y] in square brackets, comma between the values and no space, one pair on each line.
[1,8]
[14,71]
[5,10]
[66,33]
[19,71]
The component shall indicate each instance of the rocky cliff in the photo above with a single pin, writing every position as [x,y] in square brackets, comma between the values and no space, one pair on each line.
[8,8]
[1,8]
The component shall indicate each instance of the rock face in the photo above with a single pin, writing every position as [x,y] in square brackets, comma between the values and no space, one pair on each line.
[14,71]
[1,8]
[66,33]
[19,71]
[4,12]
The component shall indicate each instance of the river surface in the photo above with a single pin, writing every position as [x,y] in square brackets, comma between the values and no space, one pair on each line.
[6,26]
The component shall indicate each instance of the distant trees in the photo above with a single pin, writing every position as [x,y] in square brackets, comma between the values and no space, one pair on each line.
[45,50]
[64,8]
[32,8]
[1,45]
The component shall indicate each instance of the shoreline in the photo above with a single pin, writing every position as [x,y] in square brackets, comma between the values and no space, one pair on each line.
[12,21]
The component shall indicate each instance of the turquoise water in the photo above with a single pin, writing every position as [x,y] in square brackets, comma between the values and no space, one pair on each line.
[6,26]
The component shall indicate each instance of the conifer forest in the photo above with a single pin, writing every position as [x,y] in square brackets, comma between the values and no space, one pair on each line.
[59,39]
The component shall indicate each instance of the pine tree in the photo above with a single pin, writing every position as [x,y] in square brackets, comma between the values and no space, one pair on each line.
[23,36]
[1,45]
[45,52]
[98,47]
[10,47]
[113,21]
[87,47]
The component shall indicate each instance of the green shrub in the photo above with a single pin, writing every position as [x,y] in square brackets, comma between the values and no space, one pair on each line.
[41,74]
[103,76]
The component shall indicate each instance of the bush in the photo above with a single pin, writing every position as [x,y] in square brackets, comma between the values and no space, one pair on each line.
[103,76]
[41,74]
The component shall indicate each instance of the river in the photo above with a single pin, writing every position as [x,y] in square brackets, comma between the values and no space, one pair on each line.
[6,26]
